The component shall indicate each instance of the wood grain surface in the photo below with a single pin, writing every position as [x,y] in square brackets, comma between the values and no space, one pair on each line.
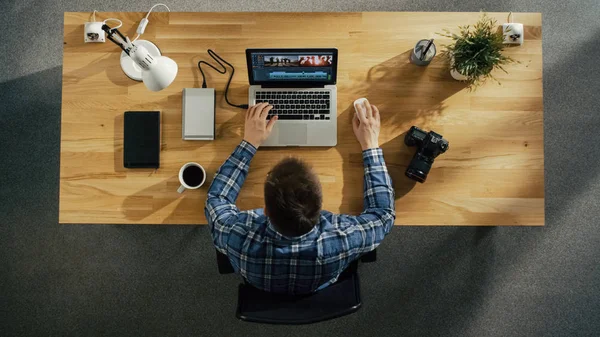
[493,173]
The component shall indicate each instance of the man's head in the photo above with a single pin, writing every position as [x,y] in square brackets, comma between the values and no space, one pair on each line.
[293,197]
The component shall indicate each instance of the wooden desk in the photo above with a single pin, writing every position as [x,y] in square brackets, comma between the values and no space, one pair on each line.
[493,173]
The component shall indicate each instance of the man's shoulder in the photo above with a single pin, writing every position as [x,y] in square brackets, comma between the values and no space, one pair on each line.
[332,240]
[250,221]
[334,223]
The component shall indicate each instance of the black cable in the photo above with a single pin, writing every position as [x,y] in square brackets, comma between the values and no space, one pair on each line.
[219,59]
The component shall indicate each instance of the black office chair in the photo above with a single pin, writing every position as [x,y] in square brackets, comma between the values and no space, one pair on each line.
[339,299]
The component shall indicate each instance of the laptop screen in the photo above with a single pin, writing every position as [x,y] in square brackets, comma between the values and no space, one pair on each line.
[300,66]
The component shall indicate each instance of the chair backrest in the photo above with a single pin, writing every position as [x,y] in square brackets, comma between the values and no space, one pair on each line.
[223,264]
[339,299]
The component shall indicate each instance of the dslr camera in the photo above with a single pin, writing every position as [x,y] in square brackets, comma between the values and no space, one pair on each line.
[429,146]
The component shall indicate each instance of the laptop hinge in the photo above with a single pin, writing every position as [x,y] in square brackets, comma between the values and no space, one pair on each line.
[292,85]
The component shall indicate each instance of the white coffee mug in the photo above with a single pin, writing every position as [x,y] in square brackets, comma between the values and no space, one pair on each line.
[184,184]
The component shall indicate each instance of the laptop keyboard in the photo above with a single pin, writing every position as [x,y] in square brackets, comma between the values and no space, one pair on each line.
[297,105]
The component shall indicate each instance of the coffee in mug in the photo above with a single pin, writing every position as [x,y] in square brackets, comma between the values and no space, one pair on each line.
[191,176]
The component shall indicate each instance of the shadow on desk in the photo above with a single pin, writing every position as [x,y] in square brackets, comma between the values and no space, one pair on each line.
[157,198]
[405,95]
[108,64]
[409,94]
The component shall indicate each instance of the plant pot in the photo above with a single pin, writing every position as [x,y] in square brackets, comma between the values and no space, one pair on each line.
[455,74]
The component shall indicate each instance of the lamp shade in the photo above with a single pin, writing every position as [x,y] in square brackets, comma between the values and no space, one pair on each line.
[161,75]
[158,72]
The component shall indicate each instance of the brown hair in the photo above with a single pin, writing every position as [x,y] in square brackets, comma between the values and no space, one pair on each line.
[293,197]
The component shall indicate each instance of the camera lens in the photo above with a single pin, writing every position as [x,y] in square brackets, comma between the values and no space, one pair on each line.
[416,175]
[418,169]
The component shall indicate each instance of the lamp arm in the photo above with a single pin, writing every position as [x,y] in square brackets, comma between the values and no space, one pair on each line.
[119,39]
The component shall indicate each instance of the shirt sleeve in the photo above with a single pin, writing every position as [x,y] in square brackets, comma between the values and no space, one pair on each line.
[366,231]
[220,209]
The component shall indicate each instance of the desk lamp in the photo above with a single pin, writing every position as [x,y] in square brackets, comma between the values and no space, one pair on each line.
[143,61]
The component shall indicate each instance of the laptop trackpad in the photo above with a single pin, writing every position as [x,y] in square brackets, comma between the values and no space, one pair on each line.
[293,134]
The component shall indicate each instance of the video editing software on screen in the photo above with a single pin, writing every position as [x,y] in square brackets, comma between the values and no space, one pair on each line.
[292,67]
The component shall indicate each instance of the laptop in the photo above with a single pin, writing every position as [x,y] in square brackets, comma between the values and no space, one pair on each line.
[300,84]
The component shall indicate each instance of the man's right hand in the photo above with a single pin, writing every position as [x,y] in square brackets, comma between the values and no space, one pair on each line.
[257,128]
[366,125]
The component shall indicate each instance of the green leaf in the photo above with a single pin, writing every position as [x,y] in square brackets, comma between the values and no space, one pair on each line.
[477,50]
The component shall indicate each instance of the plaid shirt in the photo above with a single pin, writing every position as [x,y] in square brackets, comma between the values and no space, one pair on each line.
[273,262]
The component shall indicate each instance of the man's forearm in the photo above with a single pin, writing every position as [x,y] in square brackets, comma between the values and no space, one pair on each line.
[220,209]
[377,218]
[378,190]
[231,175]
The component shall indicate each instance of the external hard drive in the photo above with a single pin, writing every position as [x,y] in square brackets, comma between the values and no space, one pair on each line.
[198,120]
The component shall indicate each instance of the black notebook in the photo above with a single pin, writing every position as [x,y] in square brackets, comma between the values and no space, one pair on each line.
[141,139]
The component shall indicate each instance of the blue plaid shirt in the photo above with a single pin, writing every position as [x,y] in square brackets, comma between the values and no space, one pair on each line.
[273,262]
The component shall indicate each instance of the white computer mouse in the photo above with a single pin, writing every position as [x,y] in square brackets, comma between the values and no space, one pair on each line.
[359,101]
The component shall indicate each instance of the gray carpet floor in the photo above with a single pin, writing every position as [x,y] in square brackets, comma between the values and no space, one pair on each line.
[78,280]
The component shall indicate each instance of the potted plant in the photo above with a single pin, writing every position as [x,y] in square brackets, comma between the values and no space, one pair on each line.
[476,51]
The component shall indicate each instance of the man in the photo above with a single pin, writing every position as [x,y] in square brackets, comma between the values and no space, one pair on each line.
[293,246]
